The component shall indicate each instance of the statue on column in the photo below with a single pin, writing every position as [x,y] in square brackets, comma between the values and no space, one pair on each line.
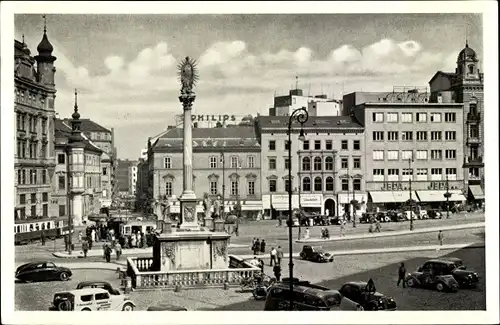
[207,206]
[217,210]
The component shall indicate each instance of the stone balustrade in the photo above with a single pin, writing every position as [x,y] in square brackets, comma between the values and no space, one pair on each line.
[137,269]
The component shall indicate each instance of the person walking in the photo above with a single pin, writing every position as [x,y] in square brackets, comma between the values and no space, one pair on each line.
[85,248]
[261,265]
[440,238]
[118,250]
[66,243]
[342,227]
[306,233]
[377,225]
[279,255]
[277,272]
[107,252]
[263,246]
[273,256]
[256,247]
[401,275]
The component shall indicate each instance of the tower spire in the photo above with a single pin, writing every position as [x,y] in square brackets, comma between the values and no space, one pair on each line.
[75,114]
[44,24]
[23,38]
[296,82]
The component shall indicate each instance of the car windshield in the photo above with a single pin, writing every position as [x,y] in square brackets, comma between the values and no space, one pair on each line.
[332,299]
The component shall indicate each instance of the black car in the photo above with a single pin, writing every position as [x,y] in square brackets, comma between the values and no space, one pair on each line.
[438,274]
[42,271]
[315,254]
[367,296]
[98,284]
[466,278]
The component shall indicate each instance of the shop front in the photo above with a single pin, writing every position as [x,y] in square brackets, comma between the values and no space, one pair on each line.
[275,205]
[312,203]
[476,195]
[345,205]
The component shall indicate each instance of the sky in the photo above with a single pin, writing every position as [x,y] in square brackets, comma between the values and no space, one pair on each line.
[125,66]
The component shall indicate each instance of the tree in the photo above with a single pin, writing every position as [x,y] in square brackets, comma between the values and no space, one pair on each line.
[247,120]
[218,124]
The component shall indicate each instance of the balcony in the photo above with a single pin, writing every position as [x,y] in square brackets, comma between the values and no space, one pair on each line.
[473,161]
[473,117]
[473,140]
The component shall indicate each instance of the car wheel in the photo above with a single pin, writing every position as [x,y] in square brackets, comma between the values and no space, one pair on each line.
[387,219]
[439,286]
[64,305]
[303,256]
[64,276]
[410,282]
[128,307]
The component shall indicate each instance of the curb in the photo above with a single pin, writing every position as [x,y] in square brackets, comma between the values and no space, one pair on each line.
[394,234]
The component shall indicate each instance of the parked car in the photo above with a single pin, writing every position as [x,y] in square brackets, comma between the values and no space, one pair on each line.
[433,275]
[306,296]
[367,217]
[361,293]
[98,284]
[315,254]
[455,266]
[42,271]
[396,216]
[383,217]
[90,299]
[434,214]
[166,307]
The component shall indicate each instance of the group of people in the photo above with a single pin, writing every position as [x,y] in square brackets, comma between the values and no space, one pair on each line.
[258,246]
[257,262]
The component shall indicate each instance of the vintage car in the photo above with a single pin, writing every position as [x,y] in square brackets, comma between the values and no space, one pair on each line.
[368,217]
[367,296]
[42,271]
[306,296]
[455,266]
[166,307]
[98,284]
[433,274]
[315,254]
[90,299]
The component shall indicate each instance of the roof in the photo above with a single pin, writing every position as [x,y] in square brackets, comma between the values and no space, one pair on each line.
[87,283]
[441,260]
[236,132]
[358,283]
[466,53]
[84,291]
[63,130]
[90,126]
[281,122]
[449,75]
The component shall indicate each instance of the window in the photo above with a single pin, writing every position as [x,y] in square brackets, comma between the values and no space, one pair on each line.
[422,171]
[329,163]
[318,184]
[356,163]
[407,136]
[168,162]
[235,162]
[356,184]
[306,184]
[101,296]
[436,135]
[61,182]
[61,158]
[393,155]
[287,145]
[287,163]
[104,171]
[45,197]
[407,117]
[234,188]
[421,135]
[272,185]
[43,153]
[421,154]
[436,154]
[328,145]
[345,184]
[33,213]
[86,298]
[378,135]
[421,117]
[272,163]
[23,178]
[44,176]
[329,184]
[436,117]
[407,171]
[317,144]
[450,135]
[213,188]
[251,187]
[317,163]
[450,117]
[305,145]
[393,172]
[287,185]
[450,154]
[436,171]
[344,145]
[22,199]
[392,136]
[168,189]
[272,145]
[213,162]
[407,154]
[378,117]
[378,155]
[356,145]
[451,171]
[378,172]
[251,162]
[344,163]
[306,163]
[392,117]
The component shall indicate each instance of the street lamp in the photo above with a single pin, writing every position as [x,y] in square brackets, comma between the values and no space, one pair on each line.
[301,116]
[447,195]
[223,162]
[410,201]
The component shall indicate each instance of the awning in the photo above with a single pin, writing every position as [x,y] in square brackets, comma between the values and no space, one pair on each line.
[281,207]
[477,192]
[252,207]
[438,196]
[391,196]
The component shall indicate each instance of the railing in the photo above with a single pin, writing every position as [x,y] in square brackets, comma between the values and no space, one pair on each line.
[473,116]
[143,279]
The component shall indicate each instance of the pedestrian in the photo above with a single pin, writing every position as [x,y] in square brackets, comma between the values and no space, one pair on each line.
[107,252]
[401,275]
[92,235]
[377,225]
[118,250]
[277,272]
[80,236]
[256,247]
[85,248]
[139,241]
[306,233]
[273,256]
[254,261]
[261,265]
[342,228]
[42,237]
[279,255]
[253,243]
[280,222]
[440,238]
[263,246]
[144,241]
[66,243]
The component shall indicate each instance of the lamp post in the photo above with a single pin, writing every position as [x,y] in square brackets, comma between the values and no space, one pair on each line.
[223,162]
[300,187]
[410,201]
[447,195]
[237,205]
[301,116]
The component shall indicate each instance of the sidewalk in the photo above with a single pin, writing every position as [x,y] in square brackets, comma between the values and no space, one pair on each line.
[394,233]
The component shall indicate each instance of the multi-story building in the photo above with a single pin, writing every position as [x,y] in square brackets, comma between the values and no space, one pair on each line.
[319,105]
[124,169]
[132,181]
[327,167]
[104,139]
[142,185]
[77,181]
[409,138]
[226,165]
[34,160]
[466,86]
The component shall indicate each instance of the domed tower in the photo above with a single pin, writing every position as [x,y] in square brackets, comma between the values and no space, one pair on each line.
[467,64]
[45,60]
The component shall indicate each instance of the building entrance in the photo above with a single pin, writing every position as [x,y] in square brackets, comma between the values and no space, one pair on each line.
[330,206]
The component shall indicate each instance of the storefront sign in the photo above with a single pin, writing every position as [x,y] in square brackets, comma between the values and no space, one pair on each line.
[213,118]
[311,200]
[415,185]
[394,186]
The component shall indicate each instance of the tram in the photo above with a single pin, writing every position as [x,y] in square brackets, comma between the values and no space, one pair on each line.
[26,231]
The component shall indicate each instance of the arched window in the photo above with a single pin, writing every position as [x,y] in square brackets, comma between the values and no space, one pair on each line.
[329,163]
[317,163]
[306,184]
[318,184]
[306,163]
[471,68]
[329,184]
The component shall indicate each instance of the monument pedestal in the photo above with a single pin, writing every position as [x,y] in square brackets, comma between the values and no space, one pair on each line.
[189,219]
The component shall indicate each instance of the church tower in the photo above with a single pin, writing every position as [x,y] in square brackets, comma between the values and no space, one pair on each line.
[45,60]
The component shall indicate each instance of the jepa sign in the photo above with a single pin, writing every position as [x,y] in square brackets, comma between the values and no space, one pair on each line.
[213,118]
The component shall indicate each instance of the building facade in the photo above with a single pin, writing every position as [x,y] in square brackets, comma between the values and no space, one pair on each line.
[327,167]
[467,87]
[142,194]
[132,181]
[319,105]
[226,166]
[124,169]
[34,160]
[415,140]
